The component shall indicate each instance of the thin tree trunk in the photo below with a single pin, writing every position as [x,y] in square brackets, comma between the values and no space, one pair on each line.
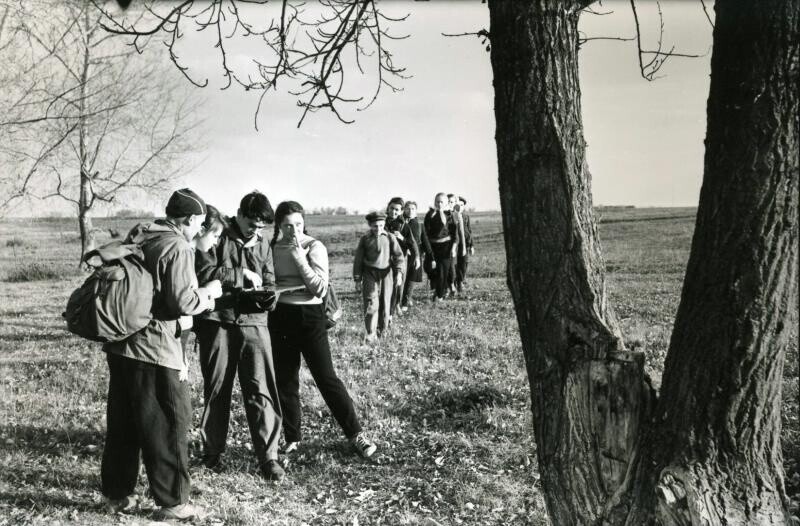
[86,197]
[715,455]
[84,219]
[589,395]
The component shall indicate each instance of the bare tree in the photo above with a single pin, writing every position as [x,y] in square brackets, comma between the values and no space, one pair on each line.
[312,48]
[84,118]
[705,450]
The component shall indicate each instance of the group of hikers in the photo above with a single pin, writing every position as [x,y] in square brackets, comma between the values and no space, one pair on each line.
[256,304]
[391,257]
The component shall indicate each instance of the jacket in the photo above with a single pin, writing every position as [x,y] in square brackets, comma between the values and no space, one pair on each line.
[420,236]
[226,262]
[379,252]
[467,230]
[402,232]
[170,260]
[435,229]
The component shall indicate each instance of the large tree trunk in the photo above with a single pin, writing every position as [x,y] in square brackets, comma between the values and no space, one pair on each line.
[712,454]
[588,394]
[716,456]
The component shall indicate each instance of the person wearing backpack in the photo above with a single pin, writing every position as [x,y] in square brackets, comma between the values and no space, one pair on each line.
[149,403]
[299,327]
[234,340]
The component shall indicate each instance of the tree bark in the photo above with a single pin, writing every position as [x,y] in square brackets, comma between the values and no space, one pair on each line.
[589,394]
[84,219]
[86,196]
[715,456]
[710,453]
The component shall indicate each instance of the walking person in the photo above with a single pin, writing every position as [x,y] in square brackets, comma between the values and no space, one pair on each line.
[459,250]
[149,404]
[441,230]
[234,340]
[396,224]
[414,268]
[298,328]
[465,248]
[377,266]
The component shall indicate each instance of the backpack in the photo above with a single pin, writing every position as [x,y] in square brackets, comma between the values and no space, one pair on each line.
[115,301]
[333,309]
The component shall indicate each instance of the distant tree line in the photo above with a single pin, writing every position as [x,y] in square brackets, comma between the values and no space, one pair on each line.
[333,211]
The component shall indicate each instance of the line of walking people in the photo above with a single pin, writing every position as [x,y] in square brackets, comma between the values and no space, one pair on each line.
[391,258]
[255,303]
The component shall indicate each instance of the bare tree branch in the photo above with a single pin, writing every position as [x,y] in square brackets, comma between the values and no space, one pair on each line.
[708,15]
[305,47]
[111,121]
[649,67]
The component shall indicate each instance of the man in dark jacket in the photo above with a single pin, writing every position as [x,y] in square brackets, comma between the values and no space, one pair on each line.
[149,407]
[234,338]
[465,249]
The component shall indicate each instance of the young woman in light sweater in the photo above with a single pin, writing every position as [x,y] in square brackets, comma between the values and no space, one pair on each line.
[298,327]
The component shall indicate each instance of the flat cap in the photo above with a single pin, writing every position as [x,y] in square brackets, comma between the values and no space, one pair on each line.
[375,216]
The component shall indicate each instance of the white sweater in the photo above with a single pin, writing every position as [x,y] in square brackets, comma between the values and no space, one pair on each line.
[295,267]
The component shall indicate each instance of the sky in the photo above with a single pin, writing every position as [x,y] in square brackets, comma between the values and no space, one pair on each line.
[645,138]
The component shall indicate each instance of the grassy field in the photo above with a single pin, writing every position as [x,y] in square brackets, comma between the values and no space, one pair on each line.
[445,396]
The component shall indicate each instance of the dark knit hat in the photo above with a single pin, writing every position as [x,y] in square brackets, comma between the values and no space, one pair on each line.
[375,216]
[185,202]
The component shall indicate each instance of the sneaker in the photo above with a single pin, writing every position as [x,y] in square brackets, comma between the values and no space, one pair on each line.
[363,445]
[290,447]
[272,470]
[123,505]
[181,512]
[214,463]
[371,339]
[404,309]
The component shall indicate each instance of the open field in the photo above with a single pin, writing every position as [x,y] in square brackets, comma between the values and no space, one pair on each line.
[445,397]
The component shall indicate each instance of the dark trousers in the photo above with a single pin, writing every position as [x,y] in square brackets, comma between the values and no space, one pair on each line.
[149,410]
[462,264]
[300,330]
[397,293]
[226,350]
[408,291]
[444,267]
[377,287]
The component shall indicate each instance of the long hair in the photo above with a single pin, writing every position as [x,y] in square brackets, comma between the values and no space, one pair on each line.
[214,218]
[284,209]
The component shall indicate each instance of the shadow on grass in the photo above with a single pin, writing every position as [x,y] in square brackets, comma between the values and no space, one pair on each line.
[29,498]
[452,409]
[49,478]
[37,441]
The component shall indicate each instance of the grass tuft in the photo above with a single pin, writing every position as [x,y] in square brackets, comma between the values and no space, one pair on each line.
[33,272]
[15,242]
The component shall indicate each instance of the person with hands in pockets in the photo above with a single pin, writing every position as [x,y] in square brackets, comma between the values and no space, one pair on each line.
[234,340]
[298,326]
